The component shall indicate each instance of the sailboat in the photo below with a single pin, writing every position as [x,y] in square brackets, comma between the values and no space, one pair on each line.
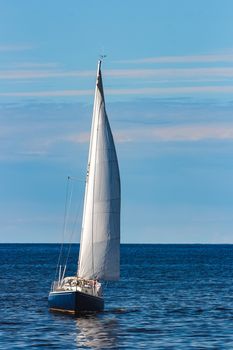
[99,254]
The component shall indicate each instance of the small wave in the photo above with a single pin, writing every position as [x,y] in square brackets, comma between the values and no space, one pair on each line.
[222,308]
[121,310]
[181,310]
[199,311]
[144,330]
[9,323]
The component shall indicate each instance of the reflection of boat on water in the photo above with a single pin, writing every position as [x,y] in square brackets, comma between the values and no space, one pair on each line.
[99,256]
[97,333]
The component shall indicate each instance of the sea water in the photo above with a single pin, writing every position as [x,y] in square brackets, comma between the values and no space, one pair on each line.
[168,297]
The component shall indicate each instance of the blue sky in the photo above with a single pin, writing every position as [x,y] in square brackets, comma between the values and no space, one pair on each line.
[168,86]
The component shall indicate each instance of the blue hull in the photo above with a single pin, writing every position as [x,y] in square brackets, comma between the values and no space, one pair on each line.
[74,302]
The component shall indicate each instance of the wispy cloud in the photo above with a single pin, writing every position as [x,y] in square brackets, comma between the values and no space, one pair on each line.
[42,74]
[177,133]
[55,93]
[183,59]
[192,133]
[82,137]
[154,91]
[34,65]
[16,47]
[172,90]
[168,73]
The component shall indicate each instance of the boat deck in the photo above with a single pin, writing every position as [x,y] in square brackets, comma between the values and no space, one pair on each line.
[90,287]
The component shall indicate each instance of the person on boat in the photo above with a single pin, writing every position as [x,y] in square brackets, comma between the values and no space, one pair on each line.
[98,288]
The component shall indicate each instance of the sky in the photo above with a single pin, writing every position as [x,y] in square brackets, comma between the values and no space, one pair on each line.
[169,97]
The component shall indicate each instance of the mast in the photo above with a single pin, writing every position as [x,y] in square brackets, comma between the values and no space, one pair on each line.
[100,237]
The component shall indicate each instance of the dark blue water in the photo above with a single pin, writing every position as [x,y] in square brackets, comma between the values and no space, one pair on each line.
[169,297]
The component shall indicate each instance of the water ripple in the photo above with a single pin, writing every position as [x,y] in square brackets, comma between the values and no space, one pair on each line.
[169,297]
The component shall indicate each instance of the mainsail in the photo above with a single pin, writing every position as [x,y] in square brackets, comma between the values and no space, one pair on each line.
[99,256]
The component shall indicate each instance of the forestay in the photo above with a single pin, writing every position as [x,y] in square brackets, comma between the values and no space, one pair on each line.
[99,256]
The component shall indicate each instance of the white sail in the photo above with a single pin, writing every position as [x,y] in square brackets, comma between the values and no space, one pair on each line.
[99,256]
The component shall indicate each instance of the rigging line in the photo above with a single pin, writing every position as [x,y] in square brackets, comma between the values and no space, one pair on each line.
[72,234]
[64,226]
[62,241]
[67,219]
[84,210]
